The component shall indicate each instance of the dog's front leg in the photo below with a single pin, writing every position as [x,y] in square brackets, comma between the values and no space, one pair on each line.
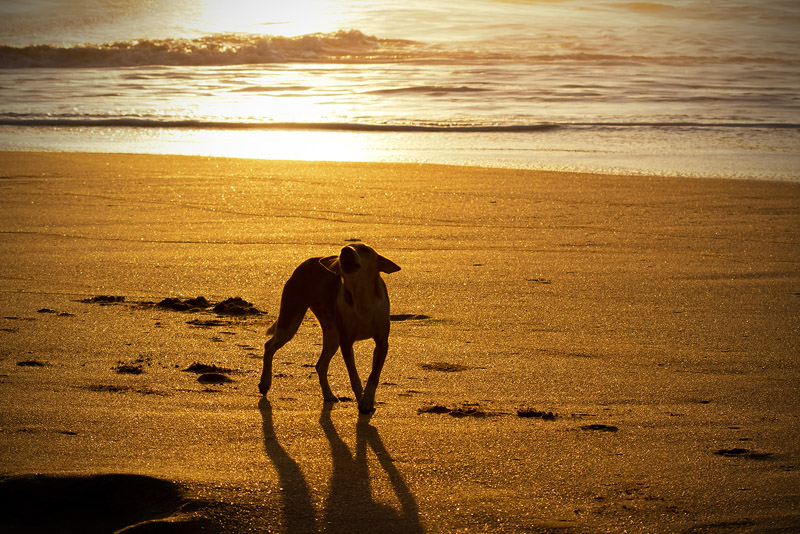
[367,402]
[350,363]
[266,372]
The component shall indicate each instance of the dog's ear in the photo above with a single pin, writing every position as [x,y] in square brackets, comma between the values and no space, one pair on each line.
[332,264]
[386,265]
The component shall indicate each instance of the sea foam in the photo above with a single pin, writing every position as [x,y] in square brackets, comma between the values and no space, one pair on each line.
[210,50]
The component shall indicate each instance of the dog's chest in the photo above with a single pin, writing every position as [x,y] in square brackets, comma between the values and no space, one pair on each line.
[364,314]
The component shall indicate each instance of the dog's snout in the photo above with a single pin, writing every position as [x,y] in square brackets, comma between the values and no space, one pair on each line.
[348,259]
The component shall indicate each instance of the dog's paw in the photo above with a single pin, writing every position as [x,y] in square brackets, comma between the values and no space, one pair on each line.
[366,408]
[263,388]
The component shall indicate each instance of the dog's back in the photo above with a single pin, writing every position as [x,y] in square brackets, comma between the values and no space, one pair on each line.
[310,286]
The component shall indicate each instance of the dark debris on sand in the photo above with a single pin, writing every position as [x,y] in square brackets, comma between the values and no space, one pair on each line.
[108,388]
[129,369]
[207,323]
[434,408]
[232,306]
[175,304]
[600,428]
[135,367]
[464,410]
[31,363]
[213,378]
[116,388]
[397,317]
[444,367]
[236,306]
[104,300]
[209,373]
[54,312]
[743,453]
[201,368]
[530,412]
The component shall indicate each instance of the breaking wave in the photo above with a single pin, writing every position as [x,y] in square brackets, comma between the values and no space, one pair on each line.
[205,51]
[351,46]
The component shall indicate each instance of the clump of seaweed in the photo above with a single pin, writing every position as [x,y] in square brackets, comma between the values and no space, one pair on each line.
[213,378]
[467,409]
[31,363]
[175,304]
[135,367]
[236,306]
[201,368]
[129,369]
[533,413]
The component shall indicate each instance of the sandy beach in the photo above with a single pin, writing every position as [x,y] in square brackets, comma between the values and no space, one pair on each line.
[569,352]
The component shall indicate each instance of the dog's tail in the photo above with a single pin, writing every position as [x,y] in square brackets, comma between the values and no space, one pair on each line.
[272,328]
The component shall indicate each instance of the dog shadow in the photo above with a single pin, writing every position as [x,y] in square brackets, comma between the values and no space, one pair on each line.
[299,515]
[350,505]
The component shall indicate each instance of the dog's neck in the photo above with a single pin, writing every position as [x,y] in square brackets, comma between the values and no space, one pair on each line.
[363,296]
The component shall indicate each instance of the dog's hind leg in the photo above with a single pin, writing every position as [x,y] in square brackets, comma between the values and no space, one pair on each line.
[284,330]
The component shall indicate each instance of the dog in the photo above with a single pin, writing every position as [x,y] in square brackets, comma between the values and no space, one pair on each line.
[348,296]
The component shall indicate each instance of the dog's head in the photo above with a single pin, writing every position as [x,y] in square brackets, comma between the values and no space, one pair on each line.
[358,262]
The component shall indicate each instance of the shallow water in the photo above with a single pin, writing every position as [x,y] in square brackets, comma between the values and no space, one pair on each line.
[682,87]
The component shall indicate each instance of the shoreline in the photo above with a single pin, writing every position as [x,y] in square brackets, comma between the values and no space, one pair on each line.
[570,352]
[794,180]
[691,154]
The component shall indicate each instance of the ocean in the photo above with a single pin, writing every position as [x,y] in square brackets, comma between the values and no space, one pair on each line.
[699,88]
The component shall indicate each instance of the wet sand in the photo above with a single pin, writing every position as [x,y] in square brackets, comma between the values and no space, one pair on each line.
[569,353]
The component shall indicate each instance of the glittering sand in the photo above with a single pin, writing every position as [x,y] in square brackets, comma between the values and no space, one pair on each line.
[570,353]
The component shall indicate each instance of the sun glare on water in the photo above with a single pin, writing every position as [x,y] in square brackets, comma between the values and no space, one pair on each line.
[298,17]
[296,145]
[285,19]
